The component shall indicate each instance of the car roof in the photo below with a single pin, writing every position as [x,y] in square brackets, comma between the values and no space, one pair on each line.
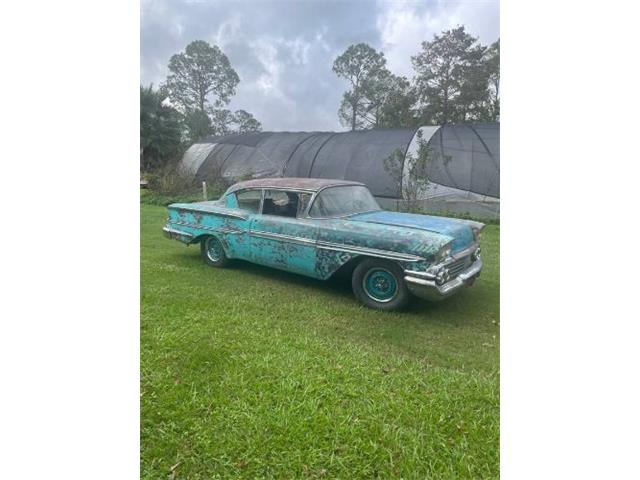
[310,184]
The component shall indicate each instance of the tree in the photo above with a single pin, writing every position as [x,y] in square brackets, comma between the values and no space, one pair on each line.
[160,129]
[200,72]
[361,66]
[198,125]
[225,122]
[492,67]
[202,81]
[221,120]
[450,77]
[395,101]
[410,173]
[245,122]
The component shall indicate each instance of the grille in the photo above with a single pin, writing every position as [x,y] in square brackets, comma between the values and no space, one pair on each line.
[458,266]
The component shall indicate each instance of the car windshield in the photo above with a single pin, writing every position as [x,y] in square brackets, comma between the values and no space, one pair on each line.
[341,201]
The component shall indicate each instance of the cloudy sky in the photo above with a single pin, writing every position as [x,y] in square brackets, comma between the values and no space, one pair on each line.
[283,50]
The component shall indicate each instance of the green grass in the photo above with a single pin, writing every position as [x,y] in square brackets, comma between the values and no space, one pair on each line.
[150,197]
[248,372]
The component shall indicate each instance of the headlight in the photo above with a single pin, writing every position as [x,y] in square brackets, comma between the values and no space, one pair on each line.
[443,253]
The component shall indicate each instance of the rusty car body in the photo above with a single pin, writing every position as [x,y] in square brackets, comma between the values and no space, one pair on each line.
[318,227]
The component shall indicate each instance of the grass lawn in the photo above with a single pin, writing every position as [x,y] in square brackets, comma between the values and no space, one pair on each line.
[248,372]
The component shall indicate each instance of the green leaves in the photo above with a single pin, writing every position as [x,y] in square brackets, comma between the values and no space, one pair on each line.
[199,73]
[456,80]
[452,79]
[201,82]
[160,129]
[364,69]
[226,122]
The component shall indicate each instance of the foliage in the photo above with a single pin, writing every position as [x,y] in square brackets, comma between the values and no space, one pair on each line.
[396,103]
[149,197]
[245,122]
[160,129]
[198,125]
[449,75]
[201,82]
[249,372]
[492,72]
[362,66]
[410,173]
[457,80]
[225,122]
[200,72]
[172,179]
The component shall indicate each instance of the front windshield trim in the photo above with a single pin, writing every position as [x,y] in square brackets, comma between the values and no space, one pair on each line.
[319,192]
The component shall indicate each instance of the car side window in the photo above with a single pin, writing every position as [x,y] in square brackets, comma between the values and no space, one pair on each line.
[249,200]
[284,204]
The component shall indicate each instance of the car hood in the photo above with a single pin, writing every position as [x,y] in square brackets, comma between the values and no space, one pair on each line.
[459,230]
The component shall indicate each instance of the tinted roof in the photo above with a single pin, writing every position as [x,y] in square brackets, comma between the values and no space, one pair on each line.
[312,184]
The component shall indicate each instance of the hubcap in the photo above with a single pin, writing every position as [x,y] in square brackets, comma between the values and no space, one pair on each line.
[380,285]
[214,250]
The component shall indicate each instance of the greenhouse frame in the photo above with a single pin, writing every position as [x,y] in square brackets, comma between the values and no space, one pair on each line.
[463,169]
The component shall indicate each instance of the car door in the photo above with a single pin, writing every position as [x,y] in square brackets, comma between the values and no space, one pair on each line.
[280,238]
[236,230]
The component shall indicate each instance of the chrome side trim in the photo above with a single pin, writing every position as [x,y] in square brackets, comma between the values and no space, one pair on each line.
[176,232]
[282,236]
[372,252]
[211,229]
[338,247]
[212,212]
[271,187]
[461,254]
[415,273]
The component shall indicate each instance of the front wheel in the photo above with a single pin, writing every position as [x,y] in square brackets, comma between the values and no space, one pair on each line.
[212,252]
[380,284]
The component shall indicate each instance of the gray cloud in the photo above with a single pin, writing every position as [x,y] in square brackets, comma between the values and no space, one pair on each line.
[283,50]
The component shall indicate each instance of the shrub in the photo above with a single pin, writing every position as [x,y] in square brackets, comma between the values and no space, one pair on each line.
[171,180]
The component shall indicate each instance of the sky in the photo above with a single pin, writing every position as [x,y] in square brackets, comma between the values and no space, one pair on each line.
[283,51]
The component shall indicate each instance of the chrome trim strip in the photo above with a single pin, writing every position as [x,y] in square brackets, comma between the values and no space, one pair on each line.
[344,216]
[339,247]
[212,212]
[415,273]
[282,236]
[373,252]
[176,232]
[230,231]
[272,187]
[211,229]
[461,254]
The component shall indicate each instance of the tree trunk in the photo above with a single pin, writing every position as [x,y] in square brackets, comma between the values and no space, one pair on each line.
[354,106]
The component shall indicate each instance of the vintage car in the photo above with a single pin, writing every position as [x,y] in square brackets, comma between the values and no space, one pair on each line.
[318,227]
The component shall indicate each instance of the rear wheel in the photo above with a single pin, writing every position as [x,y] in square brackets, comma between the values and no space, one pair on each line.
[380,284]
[213,252]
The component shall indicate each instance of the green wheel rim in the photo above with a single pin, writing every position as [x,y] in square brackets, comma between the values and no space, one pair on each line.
[214,250]
[380,285]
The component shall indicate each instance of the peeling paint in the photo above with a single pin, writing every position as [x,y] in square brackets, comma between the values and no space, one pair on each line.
[317,247]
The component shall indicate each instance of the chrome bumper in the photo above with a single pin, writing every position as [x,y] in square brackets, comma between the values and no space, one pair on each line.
[423,285]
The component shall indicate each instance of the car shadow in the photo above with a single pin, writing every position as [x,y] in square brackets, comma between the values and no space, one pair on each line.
[340,285]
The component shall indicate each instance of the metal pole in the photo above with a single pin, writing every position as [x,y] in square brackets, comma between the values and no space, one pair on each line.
[204,190]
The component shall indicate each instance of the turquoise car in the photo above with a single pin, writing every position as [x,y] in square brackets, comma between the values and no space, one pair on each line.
[319,227]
